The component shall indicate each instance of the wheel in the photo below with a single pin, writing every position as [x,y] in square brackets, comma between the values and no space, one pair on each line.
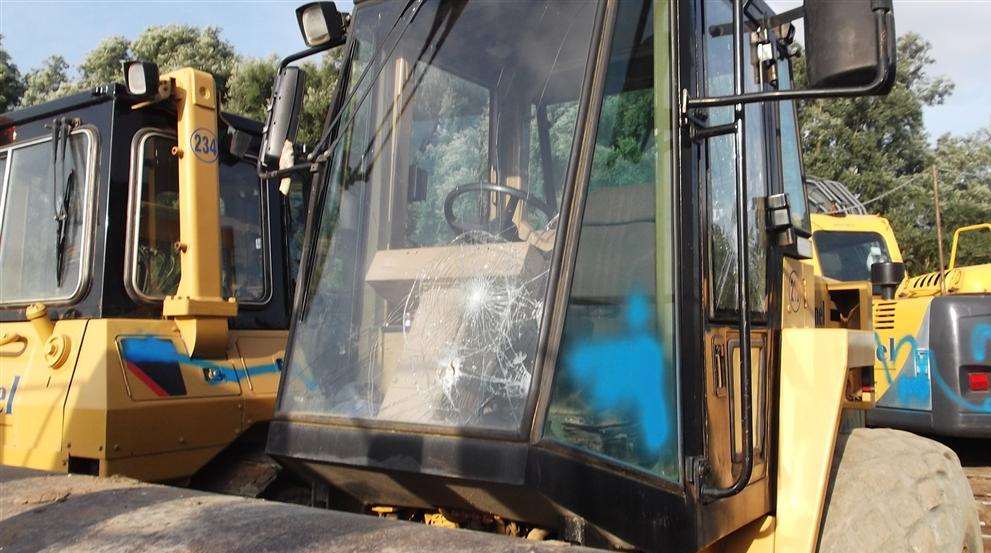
[892,491]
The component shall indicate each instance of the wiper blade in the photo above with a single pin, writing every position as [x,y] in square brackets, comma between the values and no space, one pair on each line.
[61,130]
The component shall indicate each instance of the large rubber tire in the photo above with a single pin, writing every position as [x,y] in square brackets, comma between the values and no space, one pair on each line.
[892,491]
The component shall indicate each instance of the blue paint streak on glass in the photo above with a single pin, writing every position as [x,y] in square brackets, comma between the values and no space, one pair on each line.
[159,350]
[980,342]
[624,374]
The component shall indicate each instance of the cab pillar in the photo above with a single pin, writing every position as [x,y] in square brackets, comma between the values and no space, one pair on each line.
[198,306]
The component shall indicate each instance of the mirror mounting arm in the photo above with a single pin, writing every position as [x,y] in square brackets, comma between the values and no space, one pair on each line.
[310,51]
[881,10]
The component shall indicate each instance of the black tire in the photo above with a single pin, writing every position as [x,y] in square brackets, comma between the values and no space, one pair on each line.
[892,491]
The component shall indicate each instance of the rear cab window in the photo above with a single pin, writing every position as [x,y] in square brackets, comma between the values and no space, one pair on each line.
[154,261]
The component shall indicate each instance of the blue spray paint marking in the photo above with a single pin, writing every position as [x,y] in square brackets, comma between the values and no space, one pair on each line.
[910,389]
[980,342]
[158,350]
[624,373]
[10,397]
[944,387]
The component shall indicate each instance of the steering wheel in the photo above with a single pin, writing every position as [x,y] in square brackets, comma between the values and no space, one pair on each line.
[505,216]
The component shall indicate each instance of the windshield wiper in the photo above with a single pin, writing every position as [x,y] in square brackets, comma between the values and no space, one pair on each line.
[61,130]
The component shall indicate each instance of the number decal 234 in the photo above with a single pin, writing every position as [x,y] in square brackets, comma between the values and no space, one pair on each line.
[204,145]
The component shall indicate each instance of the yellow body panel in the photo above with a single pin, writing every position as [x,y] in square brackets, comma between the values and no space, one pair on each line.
[95,408]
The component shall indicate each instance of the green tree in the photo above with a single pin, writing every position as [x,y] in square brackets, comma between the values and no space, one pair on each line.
[175,46]
[879,148]
[963,166]
[46,83]
[869,143]
[102,64]
[11,86]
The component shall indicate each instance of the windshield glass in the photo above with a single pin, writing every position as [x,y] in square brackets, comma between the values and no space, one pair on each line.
[848,256]
[438,223]
[28,236]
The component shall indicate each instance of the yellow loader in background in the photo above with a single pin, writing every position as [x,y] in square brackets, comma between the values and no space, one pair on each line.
[145,283]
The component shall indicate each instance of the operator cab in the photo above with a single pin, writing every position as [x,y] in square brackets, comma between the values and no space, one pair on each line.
[112,172]
[523,270]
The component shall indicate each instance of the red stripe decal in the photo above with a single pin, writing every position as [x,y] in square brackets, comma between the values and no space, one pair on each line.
[143,376]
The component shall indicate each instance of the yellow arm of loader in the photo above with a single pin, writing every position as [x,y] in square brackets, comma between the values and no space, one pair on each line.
[814,368]
[198,307]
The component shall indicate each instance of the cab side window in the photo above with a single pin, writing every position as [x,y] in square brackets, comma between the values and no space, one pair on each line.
[614,387]
[243,239]
[721,168]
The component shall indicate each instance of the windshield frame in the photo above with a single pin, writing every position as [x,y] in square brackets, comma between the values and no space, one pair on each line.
[873,234]
[88,205]
[575,176]
[133,226]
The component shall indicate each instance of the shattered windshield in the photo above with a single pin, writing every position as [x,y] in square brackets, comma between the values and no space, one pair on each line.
[438,222]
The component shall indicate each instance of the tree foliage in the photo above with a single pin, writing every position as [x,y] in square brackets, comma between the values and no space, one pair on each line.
[48,82]
[879,148]
[11,86]
[245,82]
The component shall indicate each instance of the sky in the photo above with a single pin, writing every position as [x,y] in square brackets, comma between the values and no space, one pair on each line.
[959,30]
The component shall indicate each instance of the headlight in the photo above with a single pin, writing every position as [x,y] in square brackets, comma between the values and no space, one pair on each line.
[141,78]
[319,22]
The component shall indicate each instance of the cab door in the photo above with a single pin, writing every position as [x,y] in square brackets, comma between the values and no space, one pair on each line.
[724,447]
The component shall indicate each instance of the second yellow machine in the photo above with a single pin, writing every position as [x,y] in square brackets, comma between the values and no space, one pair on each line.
[144,294]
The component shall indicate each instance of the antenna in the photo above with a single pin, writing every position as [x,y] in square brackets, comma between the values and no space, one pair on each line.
[939,232]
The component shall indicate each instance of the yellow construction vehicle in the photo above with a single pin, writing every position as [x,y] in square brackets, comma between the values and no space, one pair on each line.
[555,285]
[145,279]
[932,334]
[553,280]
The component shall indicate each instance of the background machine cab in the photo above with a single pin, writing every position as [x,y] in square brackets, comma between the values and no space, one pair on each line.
[106,216]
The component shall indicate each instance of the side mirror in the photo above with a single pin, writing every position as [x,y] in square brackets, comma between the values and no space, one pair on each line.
[283,115]
[842,41]
[886,276]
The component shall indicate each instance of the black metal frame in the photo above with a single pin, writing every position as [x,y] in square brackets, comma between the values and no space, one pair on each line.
[108,110]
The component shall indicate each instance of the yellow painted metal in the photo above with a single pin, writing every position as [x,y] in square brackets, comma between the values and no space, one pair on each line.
[956,239]
[93,408]
[198,307]
[814,367]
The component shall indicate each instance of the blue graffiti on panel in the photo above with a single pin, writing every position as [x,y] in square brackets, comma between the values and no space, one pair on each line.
[902,388]
[912,387]
[152,352]
[625,373]
[980,342]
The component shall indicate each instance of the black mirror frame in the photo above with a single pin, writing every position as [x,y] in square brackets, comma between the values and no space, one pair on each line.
[882,81]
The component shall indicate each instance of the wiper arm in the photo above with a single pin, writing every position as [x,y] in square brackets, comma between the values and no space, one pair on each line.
[61,130]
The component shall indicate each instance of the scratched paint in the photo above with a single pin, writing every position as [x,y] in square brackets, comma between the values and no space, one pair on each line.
[624,373]
[152,349]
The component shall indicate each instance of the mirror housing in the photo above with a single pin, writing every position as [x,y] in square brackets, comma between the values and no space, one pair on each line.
[320,23]
[886,277]
[283,115]
[842,41]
